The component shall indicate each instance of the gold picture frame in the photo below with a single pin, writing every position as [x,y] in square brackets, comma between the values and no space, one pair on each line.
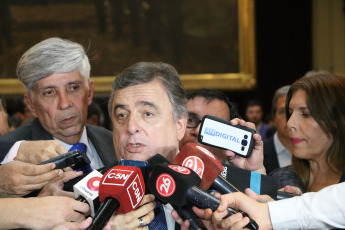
[245,79]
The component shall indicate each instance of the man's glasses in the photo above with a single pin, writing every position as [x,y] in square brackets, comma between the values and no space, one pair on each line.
[193,122]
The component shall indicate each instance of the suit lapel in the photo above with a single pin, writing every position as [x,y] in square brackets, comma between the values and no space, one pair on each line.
[38,132]
[103,147]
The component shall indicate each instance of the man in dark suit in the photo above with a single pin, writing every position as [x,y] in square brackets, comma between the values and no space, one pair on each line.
[56,75]
[277,148]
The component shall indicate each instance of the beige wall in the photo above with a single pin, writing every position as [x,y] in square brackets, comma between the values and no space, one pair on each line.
[329,35]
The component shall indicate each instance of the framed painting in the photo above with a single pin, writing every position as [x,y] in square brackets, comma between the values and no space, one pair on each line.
[210,43]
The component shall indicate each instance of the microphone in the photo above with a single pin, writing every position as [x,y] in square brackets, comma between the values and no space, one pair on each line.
[179,186]
[260,184]
[121,190]
[206,165]
[185,212]
[70,158]
[86,190]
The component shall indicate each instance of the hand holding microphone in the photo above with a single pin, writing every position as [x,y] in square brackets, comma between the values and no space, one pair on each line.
[178,185]
[225,179]
[86,190]
[121,190]
[185,212]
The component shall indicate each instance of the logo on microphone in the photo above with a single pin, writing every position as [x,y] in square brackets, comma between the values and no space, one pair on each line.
[93,183]
[117,177]
[208,153]
[135,192]
[165,185]
[194,163]
[180,169]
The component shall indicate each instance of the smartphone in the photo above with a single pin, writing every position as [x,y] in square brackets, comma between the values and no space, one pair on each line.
[220,133]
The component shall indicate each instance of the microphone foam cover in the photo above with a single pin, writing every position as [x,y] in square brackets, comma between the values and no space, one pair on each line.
[125,184]
[170,183]
[157,159]
[242,179]
[88,188]
[202,161]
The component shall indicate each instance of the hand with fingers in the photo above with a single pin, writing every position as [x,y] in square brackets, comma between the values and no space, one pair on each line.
[55,186]
[253,204]
[19,178]
[40,212]
[137,219]
[255,161]
[79,225]
[38,151]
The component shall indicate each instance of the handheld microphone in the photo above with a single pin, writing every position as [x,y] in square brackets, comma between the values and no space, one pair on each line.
[206,165]
[260,184]
[74,157]
[86,190]
[179,186]
[121,190]
[185,212]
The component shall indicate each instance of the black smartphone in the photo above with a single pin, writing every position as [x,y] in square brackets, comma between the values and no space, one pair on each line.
[220,133]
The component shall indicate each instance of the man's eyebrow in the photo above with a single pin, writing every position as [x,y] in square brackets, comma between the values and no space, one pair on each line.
[147,103]
[192,114]
[119,106]
[141,103]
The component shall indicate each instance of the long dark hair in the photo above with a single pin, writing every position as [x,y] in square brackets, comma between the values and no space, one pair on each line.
[326,104]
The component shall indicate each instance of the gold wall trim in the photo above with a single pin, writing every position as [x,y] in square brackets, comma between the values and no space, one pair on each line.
[244,80]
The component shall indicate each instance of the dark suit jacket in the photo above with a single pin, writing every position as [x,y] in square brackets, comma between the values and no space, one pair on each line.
[5,146]
[101,138]
[270,156]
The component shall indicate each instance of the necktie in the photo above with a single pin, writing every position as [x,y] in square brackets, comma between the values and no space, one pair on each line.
[83,148]
[159,222]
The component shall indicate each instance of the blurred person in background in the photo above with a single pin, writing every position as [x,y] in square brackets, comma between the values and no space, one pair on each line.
[254,113]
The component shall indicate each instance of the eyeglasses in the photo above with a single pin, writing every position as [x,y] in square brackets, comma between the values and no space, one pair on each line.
[193,122]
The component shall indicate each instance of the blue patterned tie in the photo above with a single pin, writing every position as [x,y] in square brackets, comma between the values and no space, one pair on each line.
[83,148]
[159,222]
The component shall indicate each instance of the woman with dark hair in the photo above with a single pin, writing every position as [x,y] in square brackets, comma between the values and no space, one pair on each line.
[316,121]
[315,109]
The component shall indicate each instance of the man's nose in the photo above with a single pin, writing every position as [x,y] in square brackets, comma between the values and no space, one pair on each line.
[64,101]
[133,125]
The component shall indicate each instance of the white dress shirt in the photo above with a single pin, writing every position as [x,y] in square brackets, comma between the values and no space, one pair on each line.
[314,210]
[283,154]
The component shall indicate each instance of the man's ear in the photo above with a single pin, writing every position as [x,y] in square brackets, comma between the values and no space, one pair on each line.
[181,127]
[90,92]
[30,104]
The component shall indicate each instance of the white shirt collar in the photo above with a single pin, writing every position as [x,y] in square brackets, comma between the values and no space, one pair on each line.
[277,144]
[83,139]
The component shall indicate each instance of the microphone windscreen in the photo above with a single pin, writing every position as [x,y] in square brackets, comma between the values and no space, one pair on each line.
[202,161]
[125,184]
[88,188]
[157,159]
[170,183]
[242,179]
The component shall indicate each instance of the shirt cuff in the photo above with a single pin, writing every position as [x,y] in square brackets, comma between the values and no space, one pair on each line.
[12,153]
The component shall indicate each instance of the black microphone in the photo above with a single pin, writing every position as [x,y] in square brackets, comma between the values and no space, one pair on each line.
[178,186]
[260,184]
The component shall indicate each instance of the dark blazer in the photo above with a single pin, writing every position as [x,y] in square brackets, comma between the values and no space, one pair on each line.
[270,156]
[101,138]
[5,146]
